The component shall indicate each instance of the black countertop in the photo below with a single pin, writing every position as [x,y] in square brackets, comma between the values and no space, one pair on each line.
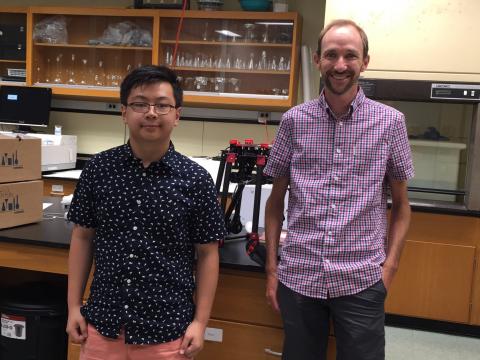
[55,231]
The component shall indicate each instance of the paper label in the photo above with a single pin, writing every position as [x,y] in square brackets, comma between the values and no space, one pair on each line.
[14,327]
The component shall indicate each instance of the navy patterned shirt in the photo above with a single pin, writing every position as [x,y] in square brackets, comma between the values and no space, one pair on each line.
[146,221]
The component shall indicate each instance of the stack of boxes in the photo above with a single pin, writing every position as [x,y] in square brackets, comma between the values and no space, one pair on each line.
[21,189]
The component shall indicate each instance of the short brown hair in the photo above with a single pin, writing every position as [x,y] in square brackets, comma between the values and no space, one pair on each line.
[340,23]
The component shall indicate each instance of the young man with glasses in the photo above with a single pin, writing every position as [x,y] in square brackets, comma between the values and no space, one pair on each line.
[141,211]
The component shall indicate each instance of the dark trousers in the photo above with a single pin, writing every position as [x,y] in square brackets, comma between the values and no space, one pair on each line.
[358,322]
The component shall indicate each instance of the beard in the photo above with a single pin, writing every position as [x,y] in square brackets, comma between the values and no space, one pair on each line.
[340,90]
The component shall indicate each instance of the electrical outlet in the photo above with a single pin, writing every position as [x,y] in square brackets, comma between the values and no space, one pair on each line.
[112,107]
[263,117]
[213,334]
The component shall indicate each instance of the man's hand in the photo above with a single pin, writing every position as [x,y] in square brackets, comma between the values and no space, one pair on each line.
[193,339]
[271,293]
[388,273]
[77,326]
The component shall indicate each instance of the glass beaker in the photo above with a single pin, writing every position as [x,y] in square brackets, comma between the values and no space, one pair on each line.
[201,83]
[249,32]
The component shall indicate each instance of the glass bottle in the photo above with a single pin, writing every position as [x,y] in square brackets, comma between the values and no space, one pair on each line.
[58,70]
[48,69]
[250,62]
[38,73]
[84,73]
[263,65]
[70,72]
[99,78]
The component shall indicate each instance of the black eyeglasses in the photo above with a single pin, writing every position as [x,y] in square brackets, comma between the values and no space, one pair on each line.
[143,107]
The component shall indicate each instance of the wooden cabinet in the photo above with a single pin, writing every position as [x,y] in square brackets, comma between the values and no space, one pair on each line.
[436,277]
[243,341]
[73,351]
[87,51]
[241,58]
[225,59]
[58,187]
[13,32]
[434,281]
[251,329]
[475,314]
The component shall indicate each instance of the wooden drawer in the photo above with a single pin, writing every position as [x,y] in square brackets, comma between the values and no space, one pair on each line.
[240,297]
[73,351]
[58,187]
[244,341]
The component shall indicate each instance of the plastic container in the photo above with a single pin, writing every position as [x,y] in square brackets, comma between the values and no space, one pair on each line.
[255,5]
[210,5]
[280,5]
[33,320]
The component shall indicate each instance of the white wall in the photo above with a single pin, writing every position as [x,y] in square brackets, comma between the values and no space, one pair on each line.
[411,39]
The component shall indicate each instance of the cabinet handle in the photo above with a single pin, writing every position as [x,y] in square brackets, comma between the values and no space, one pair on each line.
[274,353]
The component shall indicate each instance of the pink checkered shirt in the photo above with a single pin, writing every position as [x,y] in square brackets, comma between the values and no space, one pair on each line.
[338,170]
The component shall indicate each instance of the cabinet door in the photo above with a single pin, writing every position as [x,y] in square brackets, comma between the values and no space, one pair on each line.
[13,31]
[242,341]
[73,351]
[475,315]
[241,298]
[433,281]
[87,51]
[241,59]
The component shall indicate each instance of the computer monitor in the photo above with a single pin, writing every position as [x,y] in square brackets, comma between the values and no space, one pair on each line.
[25,106]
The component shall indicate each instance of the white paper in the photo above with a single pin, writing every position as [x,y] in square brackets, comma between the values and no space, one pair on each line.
[46,205]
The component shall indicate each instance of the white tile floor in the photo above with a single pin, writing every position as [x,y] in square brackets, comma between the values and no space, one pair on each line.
[406,344]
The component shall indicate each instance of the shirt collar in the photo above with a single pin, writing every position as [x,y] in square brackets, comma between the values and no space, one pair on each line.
[354,105]
[168,159]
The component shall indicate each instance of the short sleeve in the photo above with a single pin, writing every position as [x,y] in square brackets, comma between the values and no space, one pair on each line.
[207,223]
[81,210]
[400,165]
[278,163]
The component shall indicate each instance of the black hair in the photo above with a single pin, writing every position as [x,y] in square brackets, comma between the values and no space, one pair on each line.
[147,75]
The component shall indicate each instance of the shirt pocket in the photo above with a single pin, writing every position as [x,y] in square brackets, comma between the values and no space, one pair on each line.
[369,160]
[369,164]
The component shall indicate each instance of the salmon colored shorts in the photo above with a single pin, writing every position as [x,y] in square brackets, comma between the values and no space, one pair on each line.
[99,347]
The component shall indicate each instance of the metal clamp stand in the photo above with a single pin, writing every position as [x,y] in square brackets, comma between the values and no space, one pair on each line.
[244,159]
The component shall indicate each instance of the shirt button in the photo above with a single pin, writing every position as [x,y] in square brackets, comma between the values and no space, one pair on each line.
[144,174]
[339,151]
[333,206]
[335,178]
[129,281]
[329,233]
[126,307]
[135,228]
[139,202]
[340,123]
[131,256]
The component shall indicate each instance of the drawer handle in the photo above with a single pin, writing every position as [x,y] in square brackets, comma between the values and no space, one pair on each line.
[271,352]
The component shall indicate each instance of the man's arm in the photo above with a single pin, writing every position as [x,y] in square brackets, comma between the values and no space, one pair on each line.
[79,265]
[399,223]
[206,278]
[273,227]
